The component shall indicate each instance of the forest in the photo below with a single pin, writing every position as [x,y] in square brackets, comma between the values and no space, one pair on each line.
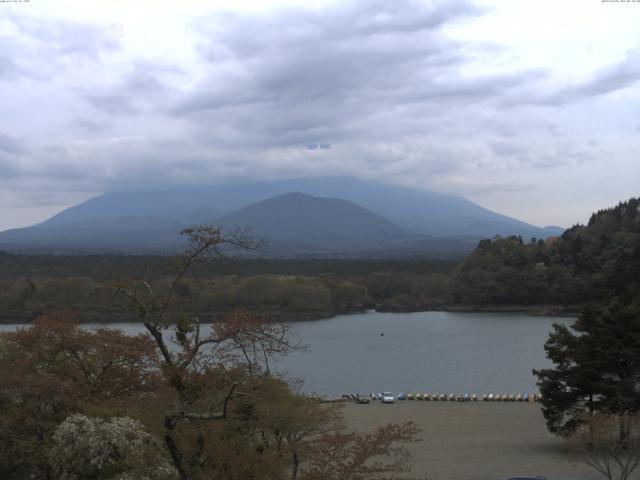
[193,400]
[554,275]
[184,401]
[588,263]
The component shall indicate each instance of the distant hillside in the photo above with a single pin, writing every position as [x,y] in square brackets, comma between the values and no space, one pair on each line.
[300,222]
[114,234]
[149,220]
[181,205]
[420,211]
[587,263]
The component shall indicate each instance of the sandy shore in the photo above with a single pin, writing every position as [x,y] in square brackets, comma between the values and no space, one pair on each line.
[476,440]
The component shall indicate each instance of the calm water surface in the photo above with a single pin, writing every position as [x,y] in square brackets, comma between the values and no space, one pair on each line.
[421,352]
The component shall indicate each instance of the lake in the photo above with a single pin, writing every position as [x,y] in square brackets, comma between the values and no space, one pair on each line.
[435,352]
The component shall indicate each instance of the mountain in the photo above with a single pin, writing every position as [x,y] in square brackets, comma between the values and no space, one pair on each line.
[420,211]
[182,205]
[148,219]
[119,234]
[297,222]
[297,216]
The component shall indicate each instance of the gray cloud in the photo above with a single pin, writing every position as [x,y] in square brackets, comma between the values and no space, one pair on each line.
[498,187]
[365,86]
[351,22]
[9,68]
[11,145]
[141,87]
[39,48]
[112,103]
[603,81]
[349,73]
[67,38]
[368,88]
[92,125]
[8,168]
[607,80]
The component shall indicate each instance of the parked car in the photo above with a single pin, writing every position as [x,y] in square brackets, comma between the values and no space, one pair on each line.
[387,397]
[361,398]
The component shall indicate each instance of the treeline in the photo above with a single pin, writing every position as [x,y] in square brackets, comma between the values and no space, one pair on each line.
[186,401]
[109,267]
[272,297]
[273,289]
[587,263]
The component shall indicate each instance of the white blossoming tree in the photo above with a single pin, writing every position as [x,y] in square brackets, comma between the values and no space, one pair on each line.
[114,449]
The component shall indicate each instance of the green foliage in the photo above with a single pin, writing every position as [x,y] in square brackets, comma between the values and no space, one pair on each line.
[596,367]
[588,263]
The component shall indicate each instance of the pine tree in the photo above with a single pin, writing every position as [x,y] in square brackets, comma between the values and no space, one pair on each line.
[597,368]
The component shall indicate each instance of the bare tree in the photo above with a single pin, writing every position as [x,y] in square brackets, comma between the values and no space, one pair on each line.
[381,454]
[205,368]
[600,445]
[220,383]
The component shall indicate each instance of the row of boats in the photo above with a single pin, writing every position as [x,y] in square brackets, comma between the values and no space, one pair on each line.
[443,397]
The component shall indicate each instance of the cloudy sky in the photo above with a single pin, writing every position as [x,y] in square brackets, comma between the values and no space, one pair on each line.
[530,108]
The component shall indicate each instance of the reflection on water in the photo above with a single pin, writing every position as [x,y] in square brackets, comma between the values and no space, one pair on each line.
[423,352]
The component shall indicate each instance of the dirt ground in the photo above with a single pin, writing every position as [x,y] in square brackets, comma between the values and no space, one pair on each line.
[476,440]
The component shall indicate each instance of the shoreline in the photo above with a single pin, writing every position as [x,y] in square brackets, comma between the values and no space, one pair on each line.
[532,310]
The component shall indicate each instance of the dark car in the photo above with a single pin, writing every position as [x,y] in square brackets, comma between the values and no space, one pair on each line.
[362,398]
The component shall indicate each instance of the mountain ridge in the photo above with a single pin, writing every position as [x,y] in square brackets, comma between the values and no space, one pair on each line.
[116,218]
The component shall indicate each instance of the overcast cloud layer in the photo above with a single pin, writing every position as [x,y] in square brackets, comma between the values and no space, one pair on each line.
[529,109]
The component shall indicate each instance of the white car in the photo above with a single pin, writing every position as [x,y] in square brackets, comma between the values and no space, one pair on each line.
[387,397]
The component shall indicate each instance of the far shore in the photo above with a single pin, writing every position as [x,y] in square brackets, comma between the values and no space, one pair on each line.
[475,440]
[532,310]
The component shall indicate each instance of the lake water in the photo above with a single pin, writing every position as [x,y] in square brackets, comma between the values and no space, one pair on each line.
[435,352]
